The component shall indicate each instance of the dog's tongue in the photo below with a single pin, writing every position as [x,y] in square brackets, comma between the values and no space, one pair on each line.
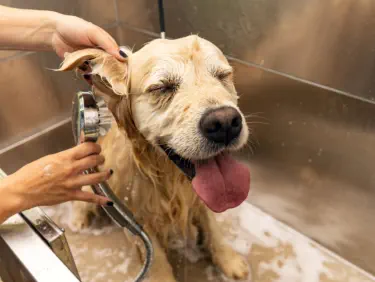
[222,183]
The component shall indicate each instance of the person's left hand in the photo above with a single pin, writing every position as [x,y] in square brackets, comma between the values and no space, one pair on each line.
[73,33]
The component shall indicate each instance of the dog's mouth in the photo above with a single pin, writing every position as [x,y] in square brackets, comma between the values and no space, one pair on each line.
[221,181]
[185,165]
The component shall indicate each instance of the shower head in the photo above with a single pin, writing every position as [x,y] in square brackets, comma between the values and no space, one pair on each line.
[90,117]
[90,120]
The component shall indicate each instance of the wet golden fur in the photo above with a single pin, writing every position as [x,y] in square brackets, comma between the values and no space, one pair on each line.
[158,193]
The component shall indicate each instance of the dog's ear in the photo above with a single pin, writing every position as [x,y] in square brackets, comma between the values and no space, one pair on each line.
[110,79]
[108,74]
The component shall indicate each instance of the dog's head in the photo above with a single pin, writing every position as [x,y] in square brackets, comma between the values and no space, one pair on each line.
[180,97]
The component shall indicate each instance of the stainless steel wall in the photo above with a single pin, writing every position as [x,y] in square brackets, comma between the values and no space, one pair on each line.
[312,162]
[33,97]
[330,42]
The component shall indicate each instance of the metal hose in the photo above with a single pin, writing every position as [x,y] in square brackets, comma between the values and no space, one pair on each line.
[149,256]
[124,218]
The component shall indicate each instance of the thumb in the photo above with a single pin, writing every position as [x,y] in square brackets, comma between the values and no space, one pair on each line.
[104,40]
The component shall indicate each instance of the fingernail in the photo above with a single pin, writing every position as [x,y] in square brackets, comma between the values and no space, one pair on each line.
[122,54]
[110,204]
[111,171]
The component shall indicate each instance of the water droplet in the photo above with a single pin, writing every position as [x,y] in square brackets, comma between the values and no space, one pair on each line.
[290,123]
[126,199]
[320,152]
[310,160]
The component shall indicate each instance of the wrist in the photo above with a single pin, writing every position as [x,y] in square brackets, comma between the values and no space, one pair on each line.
[29,30]
[47,29]
[10,202]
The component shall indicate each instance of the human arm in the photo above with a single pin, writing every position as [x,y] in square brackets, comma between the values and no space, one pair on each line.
[35,30]
[52,180]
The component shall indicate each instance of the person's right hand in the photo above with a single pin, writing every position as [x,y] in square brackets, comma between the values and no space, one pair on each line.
[72,33]
[56,179]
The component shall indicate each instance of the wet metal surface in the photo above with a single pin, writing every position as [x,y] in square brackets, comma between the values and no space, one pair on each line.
[274,252]
[313,148]
[317,143]
[330,42]
[26,257]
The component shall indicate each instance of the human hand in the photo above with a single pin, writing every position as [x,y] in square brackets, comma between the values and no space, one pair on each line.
[55,179]
[73,33]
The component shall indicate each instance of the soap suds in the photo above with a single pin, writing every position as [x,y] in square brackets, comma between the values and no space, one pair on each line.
[279,250]
[49,170]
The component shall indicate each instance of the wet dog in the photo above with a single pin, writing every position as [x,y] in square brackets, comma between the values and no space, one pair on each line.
[176,124]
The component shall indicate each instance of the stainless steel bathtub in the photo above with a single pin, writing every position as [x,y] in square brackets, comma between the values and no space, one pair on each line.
[303,68]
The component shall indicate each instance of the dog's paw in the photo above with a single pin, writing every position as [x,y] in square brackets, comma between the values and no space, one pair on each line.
[232,264]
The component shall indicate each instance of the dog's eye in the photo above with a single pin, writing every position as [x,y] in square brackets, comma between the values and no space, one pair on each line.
[162,88]
[222,75]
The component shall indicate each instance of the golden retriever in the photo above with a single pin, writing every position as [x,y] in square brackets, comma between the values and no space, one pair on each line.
[177,122]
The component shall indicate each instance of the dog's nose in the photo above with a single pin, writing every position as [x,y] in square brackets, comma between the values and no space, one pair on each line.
[221,125]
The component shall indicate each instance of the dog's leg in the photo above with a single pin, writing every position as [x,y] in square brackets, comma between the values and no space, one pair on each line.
[160,270]
[231,263]
[83,212]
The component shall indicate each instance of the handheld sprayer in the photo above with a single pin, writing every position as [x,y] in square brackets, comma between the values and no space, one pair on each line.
[91,119]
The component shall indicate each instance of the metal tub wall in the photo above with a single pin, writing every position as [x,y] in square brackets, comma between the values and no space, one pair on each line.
[311,165]
[327,42]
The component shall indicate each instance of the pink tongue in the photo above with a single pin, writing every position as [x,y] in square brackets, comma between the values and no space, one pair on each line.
[222,183]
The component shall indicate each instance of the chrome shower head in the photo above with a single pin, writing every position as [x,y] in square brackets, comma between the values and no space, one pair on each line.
[90,120]
[90,117]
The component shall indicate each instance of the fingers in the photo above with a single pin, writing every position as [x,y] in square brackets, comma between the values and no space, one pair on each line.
[102,39]
[90,179]
[89,162]
[91,198]
[85,149]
